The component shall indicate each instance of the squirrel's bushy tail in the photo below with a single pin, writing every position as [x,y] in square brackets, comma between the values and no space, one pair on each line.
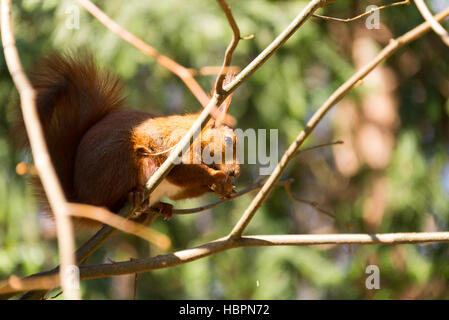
[73,94]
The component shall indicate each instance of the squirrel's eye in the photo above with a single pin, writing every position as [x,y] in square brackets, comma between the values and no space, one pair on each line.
[228,141]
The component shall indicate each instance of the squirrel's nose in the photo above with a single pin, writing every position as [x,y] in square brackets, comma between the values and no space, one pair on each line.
[234,172]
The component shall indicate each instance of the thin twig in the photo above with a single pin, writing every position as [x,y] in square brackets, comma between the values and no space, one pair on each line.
[435,25]
[254,187]
[400,3]
[47,174]
[254,65]
[231,47]
[314,204]
[106,217]
[213,70]
[249,37]
[43,281]
[57,295]
[319,146]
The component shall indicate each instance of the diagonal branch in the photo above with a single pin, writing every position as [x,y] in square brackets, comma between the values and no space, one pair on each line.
[254,187]
[393,46]
[183,73]
[47,174]
[299,20]
[218,98]
[367,13]
[104,216]
[257,185]
[434,24]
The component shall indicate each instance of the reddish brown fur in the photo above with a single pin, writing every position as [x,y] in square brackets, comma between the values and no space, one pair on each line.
[101,151]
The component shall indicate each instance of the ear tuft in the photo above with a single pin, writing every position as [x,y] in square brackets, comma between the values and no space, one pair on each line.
[142,151]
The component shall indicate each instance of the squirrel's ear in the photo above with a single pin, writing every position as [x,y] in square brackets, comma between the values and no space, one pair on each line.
[222,111]
[225,105]
[210,123]
[142,151]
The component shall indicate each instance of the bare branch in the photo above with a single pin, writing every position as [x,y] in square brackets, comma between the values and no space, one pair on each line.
[15,284]
[48,176]
[106,217]
[230,49]
[213,70]
[319,146]
[184,256]
[435,25]
[254,187]
[136,42]
[367,13]
[393,46]
[249,37]
[308,202]
[302,17]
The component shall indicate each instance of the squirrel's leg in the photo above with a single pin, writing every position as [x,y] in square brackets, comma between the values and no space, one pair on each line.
[136,199]
[165,209]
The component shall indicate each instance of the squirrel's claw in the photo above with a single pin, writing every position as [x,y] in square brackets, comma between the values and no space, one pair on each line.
[165,209]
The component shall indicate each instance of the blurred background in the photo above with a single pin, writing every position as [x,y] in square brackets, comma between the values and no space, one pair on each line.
[391,174]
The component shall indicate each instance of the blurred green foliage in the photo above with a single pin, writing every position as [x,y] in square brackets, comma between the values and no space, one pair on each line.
[282,94]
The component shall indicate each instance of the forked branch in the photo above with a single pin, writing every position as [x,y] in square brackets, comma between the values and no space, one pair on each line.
[434,24]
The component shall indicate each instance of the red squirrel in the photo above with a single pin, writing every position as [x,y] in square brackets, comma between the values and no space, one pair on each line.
[104,153]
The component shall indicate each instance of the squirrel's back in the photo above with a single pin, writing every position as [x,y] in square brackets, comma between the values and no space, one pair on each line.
[73,94]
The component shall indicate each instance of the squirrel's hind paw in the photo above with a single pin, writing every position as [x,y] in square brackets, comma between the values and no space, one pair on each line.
[165,209]
[137,201]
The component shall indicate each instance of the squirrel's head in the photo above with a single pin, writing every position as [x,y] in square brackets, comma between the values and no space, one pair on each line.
[219,148]
[219,144]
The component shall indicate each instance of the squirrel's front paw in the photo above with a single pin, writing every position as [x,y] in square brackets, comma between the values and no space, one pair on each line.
[165,209]
[222,185]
